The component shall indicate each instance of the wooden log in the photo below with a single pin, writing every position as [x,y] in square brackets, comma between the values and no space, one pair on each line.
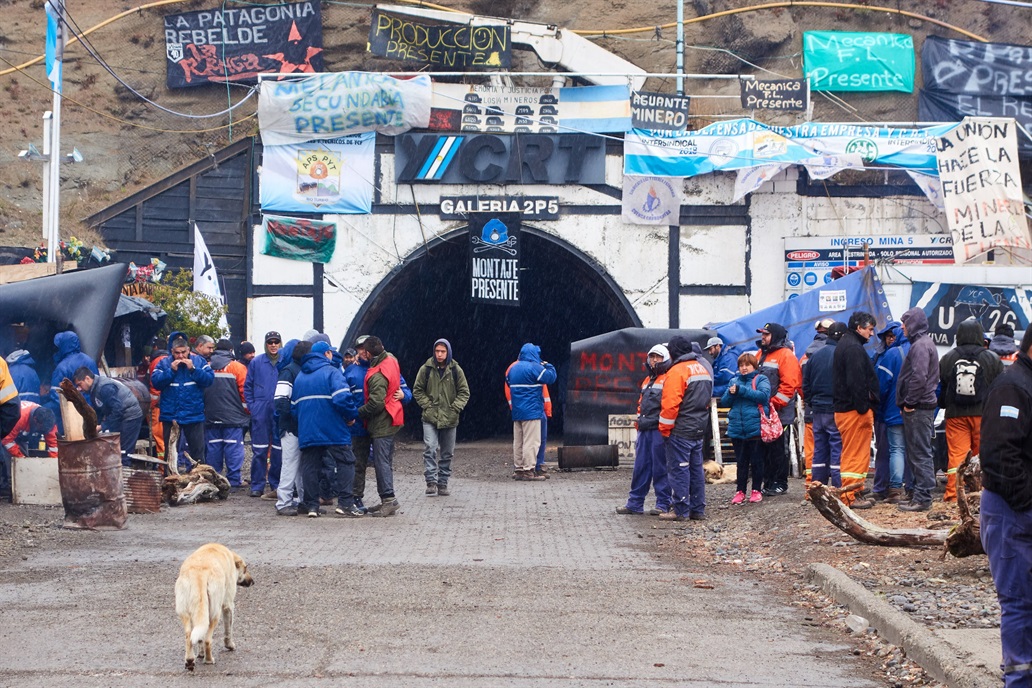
[846,520]
[965,539]
[78,401]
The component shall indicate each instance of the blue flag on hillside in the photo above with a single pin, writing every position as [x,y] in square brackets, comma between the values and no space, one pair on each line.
[54,35]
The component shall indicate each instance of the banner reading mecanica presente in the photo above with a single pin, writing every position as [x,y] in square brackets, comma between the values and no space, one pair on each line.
[742,143]
[981,187]
[236,44]
[328,106]
[312,241]
[330,176]
[854,61]
[457,46]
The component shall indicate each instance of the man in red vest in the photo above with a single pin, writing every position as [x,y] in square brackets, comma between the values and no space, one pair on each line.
[383,416]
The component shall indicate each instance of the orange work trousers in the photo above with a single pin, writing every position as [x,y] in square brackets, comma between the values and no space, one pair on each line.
[157,431]
[962,436]
[856,430]
[808,453]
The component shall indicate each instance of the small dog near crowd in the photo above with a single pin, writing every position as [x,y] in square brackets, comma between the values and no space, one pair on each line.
[205,591]
[717,474]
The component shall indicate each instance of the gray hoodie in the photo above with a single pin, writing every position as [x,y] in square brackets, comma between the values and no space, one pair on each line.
[919,376]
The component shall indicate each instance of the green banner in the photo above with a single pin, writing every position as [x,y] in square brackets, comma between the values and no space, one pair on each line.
[848,61]
[312,241]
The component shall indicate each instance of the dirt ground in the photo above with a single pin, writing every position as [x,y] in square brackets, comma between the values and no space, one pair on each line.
[771,543]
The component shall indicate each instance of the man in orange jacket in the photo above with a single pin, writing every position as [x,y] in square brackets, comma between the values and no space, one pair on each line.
[683,417]
[778,362]
[34,419]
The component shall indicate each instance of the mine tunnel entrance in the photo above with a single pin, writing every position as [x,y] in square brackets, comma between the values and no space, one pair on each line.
[564,296]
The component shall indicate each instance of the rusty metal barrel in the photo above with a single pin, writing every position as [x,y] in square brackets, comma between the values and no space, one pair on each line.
[596,456]
[90,474]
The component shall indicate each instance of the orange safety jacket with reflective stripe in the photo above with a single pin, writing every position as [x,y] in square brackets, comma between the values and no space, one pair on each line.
[8,390]
[789,372]
[10,442]
[544,393]
[687,390]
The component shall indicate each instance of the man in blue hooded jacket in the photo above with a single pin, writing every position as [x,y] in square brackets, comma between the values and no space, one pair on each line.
[23,372]
[259,392]
[890,460]
[68,359]
[182,377]
[525,379]
[322,402]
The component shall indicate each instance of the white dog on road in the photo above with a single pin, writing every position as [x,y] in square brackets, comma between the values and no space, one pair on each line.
[205,591]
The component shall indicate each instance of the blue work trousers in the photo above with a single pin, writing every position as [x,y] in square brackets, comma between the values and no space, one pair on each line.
[685,474]
[225,446]
[266,457]
[1007,539]
[827,450]
[649,472]
[889,460]
[316,460]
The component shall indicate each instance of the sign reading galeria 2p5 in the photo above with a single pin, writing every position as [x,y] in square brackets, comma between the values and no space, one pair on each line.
[236,44]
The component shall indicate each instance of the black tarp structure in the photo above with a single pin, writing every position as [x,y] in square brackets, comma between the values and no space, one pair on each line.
[136,320]
[83,301]
[604,377]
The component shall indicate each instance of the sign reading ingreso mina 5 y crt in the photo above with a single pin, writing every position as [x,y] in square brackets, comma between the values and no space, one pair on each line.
[456,46]
[848,61]
[236,44]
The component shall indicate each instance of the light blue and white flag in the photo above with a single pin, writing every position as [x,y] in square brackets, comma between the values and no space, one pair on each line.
[752,178]
[55,45]
[652,200]
[328,176]
[596,109]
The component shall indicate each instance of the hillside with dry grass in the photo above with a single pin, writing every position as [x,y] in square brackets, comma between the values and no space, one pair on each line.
[127,143]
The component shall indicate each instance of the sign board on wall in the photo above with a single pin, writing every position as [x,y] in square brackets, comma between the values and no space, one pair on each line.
[780,94]
[662,111]
[399,36]
[494,256]
[810,260]
[858,61]
[947,305]
[332,176]
[531,207]
[499,159]
[236,44]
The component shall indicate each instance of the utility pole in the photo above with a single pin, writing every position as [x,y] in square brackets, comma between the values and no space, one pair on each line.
[54,231]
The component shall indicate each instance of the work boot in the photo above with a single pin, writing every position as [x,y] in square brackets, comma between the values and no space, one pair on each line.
[627,511]
[542,472]
[656,510]
[431,489]
[895,495]
[914,506]
[386,508]
[862,504]
[442,490]
[671,516]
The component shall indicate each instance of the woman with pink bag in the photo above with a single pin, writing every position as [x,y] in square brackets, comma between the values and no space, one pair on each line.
[746,394]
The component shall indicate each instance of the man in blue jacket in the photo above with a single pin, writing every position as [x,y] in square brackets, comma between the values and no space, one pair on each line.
[68,359]
[526,378]
[118,409]
[23,372]
[916,397]
[322,402]
[182,377]
[259,391]
[890,459]
[818,390]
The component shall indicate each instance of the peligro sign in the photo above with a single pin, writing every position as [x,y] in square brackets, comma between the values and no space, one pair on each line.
[499,159]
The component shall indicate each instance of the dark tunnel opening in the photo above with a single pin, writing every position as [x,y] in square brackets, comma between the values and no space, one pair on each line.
[563,297]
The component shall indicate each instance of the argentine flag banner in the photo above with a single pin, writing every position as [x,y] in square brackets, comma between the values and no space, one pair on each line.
[743,143]
[595,109]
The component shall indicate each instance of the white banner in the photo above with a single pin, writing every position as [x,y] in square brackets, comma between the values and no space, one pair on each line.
[205,278]
[328,106]
[652,200]
[752,178]
[981,187]
[328,176]
[827,166]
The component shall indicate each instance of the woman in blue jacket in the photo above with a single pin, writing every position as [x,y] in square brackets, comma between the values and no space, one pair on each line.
[745,393]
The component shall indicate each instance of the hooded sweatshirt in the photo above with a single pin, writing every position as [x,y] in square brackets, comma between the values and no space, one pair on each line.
[969,347]
[322,403]
[887,366]
[525,379]
[919,375]
[23,371]
[1003,346]
[441,390]
[69,358]
[782,369]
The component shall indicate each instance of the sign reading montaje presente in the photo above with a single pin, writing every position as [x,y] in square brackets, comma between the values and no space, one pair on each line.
[494,256]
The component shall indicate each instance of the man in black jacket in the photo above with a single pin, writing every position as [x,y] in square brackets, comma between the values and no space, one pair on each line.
[1006,508]
[855,397]
[818,391]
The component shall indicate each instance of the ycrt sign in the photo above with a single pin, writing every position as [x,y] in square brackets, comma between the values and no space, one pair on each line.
[499,159]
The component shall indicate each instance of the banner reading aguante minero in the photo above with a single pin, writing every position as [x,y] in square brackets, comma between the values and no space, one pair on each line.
[236,44]
[312,241]
[398,36]
[494,256]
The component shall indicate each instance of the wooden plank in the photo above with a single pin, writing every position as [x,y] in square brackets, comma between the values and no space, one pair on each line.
[19,273]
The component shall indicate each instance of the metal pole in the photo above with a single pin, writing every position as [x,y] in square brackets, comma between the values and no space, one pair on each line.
[55,146]
[680,47]
[47,154]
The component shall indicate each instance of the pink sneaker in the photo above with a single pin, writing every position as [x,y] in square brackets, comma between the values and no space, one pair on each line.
[756,496]
[738,498]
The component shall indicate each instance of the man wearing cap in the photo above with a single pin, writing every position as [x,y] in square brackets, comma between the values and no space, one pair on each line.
[649,450]
[856,397]
[725,365]
[245,353]
[225,414]
[683,417]
[780,366]
[1002,344]
[441,392]
[890,458]
[259,391]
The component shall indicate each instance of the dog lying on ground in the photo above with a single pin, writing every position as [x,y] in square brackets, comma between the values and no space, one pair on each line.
[205,591]
[717,474]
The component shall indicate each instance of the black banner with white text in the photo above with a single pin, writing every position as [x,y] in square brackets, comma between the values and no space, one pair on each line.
[494,256]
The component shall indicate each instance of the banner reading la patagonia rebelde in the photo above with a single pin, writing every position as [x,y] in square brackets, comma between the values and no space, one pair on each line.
[312,241]
[236,44]
[328,106]
[858,61]
[331,176]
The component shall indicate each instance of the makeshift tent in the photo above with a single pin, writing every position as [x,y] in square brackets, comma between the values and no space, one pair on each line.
[136,322]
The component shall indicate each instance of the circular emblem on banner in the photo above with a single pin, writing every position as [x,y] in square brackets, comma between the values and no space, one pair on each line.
[867,149]
[827,278]
[318,176]
[723,151]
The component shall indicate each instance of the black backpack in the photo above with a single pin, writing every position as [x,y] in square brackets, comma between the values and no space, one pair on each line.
[967,385]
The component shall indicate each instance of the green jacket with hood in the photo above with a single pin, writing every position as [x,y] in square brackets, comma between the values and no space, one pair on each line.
[441,391]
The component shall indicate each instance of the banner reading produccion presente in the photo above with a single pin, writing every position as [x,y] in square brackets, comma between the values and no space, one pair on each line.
[312,241]
[328,106]
[494,256]
[330,176]
[858,61]
[398,36]
[237,44]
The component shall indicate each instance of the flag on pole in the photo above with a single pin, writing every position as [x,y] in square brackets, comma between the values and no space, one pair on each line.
[55,44]
[205,278]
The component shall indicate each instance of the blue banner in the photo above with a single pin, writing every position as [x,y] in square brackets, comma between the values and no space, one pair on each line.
[947,305]
[332,176]
[743,143]
[858,291]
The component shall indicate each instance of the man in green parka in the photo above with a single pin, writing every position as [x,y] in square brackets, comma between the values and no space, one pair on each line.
[441,391]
